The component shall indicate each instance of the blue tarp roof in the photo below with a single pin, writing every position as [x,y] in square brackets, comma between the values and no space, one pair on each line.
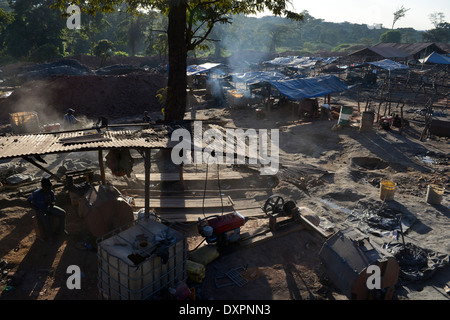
[436,58]
[296,88]
[299,89]
[388,64]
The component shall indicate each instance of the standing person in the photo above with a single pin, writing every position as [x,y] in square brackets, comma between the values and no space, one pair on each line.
[146,118]
[69,120]
[325,112]
[42,201]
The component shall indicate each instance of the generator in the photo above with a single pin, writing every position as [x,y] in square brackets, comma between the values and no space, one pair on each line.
[221,229]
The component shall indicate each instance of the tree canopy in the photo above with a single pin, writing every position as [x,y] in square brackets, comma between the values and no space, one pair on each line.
[189,24]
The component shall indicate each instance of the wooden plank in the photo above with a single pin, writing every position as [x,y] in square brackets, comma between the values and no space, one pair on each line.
[190,192]
[174,202]
[193,215]
[192,176]
[269,234]
[314,228]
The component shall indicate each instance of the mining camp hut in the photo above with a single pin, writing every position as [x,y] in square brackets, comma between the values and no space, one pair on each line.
[28,146]
[185,207]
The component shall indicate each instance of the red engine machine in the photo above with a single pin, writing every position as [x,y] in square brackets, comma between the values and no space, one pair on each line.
[222,229]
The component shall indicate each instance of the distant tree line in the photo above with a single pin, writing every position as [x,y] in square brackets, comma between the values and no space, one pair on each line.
[30,30]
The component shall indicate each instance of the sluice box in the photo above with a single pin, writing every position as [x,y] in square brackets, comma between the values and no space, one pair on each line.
[138,260]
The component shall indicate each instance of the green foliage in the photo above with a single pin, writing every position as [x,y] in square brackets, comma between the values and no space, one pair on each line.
[440,34]
[342,47]
[160,46]
[104,48]
[45,52]
[120,54]
[161,95]
[398,14]
[33,31]
[6,19]
[36,29]
[391,36]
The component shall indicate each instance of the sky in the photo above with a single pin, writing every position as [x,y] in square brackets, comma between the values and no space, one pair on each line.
[372,12]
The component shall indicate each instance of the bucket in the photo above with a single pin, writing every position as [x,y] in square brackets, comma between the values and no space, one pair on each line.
[367,120]
[195,271]
[387,190]
[344,116]
[434,194]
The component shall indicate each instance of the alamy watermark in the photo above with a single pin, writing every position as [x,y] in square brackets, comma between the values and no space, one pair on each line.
[74,280]
[212,146]
[374,280]
[74,21]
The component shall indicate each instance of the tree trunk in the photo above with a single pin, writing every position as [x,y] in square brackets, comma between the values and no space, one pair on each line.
[177,82]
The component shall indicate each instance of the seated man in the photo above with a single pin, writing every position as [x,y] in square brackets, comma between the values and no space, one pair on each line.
[42,200]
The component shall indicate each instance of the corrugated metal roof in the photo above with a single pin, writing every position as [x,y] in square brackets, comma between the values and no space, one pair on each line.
[413,48]
[40,144]
[385,52]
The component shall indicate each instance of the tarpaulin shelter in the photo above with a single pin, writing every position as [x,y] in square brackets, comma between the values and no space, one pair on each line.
[389,65]
[303,88]
[436,58]
[298,62]
[201,68]
[298,87]
[258,76]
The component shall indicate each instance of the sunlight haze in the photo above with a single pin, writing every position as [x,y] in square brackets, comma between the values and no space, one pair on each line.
[375,12]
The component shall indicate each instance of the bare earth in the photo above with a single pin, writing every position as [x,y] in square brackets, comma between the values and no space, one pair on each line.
[283,267]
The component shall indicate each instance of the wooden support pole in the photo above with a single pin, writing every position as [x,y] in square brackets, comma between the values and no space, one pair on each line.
[180,170]
[402,126]
[41,167]
[102,167]
[359,109]
[147,181]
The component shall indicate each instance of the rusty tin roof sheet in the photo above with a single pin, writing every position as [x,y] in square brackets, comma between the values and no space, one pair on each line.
[40,144]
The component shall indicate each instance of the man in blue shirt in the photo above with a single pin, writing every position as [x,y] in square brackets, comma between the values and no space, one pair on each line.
[69,121]
[43,202]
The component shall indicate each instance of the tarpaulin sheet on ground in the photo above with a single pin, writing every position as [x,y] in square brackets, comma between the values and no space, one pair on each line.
[196,69]
[389,65]
[416,263]
[436,58]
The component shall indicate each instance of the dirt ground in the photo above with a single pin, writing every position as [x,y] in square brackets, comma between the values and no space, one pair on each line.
[345,168]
